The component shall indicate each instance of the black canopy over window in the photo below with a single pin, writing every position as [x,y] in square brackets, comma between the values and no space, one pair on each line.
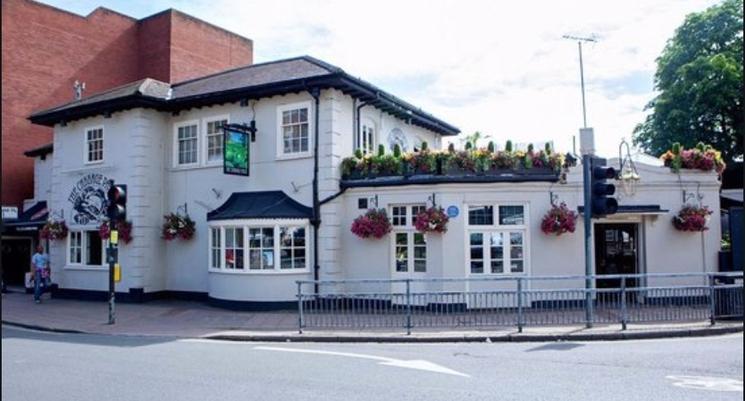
[260,205]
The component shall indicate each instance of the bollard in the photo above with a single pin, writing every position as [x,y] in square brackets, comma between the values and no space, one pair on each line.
[624,316]
[712,310]
[300,307]
[408,306]
[519,304]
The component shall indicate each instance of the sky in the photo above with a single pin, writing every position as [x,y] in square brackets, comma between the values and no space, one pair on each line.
[498,67]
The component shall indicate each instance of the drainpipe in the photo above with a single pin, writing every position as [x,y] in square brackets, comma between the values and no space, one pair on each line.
[316,221]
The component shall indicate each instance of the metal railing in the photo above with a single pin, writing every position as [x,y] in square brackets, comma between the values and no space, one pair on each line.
[519,301]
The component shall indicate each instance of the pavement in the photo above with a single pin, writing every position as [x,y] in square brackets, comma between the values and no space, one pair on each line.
[93,367]
[184,319]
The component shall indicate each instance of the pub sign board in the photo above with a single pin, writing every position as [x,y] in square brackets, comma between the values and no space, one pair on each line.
[235,152]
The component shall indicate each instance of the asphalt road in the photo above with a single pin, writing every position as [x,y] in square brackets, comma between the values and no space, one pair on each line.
[48,366]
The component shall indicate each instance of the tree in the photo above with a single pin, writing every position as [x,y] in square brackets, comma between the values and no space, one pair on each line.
[699,79]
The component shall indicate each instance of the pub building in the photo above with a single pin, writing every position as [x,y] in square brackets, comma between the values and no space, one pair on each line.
[258,159]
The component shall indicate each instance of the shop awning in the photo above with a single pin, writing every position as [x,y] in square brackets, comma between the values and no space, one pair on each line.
[635,209]
[30,220]
[260,205]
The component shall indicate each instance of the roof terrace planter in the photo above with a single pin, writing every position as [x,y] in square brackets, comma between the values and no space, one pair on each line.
[431,167]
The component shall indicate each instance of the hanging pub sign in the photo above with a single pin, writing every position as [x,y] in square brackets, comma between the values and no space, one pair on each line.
[236,155]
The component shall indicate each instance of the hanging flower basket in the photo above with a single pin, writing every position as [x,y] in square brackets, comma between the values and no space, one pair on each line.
[54,230]
[432,220]
[692,218]
[559,220]
[177,226]
[373,224]
[123,227]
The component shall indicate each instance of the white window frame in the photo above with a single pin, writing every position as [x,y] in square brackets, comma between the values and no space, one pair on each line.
[281,155]
[506,246]
[86,153]
[276,224]
[68,254]
[409,229]
[220,249]
[206,142]
[362,136]
[176,127]
[83,247]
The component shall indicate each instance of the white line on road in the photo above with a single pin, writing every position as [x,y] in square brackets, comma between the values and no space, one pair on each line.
[417,364]
[706,383]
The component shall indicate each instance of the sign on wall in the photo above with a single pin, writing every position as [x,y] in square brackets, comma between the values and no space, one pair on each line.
[235,152]
[88,198]
[10,212]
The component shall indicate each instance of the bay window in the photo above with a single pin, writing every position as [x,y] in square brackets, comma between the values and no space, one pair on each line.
[496,243]
[234,248]
[259,247]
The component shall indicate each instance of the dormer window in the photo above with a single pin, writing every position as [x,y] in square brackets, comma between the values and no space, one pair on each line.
[94,145]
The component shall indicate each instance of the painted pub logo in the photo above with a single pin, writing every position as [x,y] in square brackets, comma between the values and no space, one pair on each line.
[88,198]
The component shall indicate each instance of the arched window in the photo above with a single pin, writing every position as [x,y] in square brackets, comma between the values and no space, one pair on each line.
[365,140]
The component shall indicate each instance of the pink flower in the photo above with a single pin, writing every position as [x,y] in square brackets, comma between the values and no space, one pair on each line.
[374,223]
[559,220]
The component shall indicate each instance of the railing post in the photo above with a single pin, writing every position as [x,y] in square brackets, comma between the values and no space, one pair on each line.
[300,307]
[519,304]
[712,309]
[624,316]
[408,306]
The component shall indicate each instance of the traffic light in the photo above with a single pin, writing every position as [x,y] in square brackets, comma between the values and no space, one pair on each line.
[117,198]
[602,202]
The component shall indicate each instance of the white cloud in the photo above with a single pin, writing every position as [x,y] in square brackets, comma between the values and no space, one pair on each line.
[494,66]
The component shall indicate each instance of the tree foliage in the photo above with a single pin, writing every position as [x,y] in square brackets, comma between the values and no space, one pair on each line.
[699,79]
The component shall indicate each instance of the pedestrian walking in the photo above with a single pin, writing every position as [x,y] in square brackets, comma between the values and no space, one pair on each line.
[40,271]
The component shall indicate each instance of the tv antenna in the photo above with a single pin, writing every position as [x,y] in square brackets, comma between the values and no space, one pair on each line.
[579,40]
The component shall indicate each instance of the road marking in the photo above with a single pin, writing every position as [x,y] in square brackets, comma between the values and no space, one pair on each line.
[707,383]
[417,364]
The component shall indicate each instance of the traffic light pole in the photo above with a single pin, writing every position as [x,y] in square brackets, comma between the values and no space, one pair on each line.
[586,175]
[112,292]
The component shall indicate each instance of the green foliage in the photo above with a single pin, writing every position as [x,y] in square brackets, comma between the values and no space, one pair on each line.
[699,78]
[397,151]
[381,150]
[474,138]
[508,147]
[469,146]
[348,165]
[530,148]
[425,146]
[676,148]
[491,147]
[451,147]
[548,148]
[358,153]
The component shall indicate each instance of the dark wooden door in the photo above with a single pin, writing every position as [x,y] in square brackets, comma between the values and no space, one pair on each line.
[16,259]
[615,252]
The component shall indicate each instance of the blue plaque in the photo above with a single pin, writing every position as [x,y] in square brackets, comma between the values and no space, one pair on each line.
[452,211]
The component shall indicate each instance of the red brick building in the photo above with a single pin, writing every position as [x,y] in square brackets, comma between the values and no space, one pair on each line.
[46,49]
